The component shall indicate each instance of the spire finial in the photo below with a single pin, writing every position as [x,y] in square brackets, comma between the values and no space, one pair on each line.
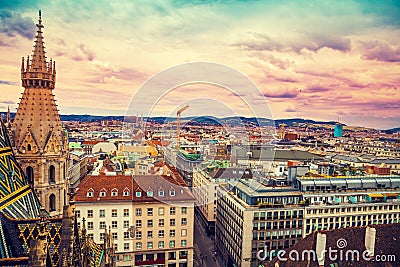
[40,16]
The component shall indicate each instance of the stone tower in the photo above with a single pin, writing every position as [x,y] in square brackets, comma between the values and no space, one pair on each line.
[39,140]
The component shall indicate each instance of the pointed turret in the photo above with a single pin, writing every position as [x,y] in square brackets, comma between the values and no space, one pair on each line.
[38,73]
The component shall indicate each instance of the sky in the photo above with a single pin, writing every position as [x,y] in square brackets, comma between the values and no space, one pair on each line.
[322,60]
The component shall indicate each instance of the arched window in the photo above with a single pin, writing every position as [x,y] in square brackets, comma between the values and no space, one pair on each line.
[29,176]
[29,147]
[52,174]
[52,200]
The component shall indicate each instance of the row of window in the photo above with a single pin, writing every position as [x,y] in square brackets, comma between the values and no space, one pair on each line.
[161,234]
[138,223]
[103,192]
[353,209]
[126,192]
[138,212]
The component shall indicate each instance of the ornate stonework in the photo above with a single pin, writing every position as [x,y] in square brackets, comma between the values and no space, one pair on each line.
[37,133]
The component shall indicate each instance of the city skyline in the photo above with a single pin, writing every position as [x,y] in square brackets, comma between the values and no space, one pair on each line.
[312,60]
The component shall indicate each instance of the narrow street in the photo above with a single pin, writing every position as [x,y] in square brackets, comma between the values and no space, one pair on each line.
[204,247]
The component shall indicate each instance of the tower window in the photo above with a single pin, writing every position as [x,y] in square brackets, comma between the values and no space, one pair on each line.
[52,199]
[29,176]
[52,174]
[29,147]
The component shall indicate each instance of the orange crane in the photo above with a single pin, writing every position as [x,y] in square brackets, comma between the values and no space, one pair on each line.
[178,125]
[282,130]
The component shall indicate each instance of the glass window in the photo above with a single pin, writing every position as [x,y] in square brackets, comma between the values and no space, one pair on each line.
[126,212]
[183,243]
[90,213]
[138,234]
[102,213]
[126,235]
[77,213]
[138,223]
[172,233]
[161,244]
[161,233]
[149,211]
[114,224]
[126,192]
[138,212]
[172,211]
[184,210]
[115,236]
[114,192]
[183,232]
[138,194]
[161,211]
[126,224]
[138,245]
[172,243]
[149,234]
[90,225]
[114,213]
[184,221]
[102,225]
[161,222]
[149,244]
[172,222]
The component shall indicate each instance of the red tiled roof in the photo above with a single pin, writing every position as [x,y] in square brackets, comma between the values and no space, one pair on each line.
[142,183]
[386,243]
[90,142]
[97,183]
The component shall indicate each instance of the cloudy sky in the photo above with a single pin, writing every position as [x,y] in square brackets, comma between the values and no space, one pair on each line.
[312,59]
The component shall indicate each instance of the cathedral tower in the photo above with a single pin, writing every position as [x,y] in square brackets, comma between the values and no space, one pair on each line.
[39,140]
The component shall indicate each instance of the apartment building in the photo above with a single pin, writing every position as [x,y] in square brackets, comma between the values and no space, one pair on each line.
[252,216]
[150,217]
[204,188]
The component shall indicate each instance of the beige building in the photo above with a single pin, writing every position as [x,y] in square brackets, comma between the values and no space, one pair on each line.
[151,217]
[38,137]
[204,188]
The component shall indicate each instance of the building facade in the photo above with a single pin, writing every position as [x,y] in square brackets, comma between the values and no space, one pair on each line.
[38,137]
[252,216]
[151,217]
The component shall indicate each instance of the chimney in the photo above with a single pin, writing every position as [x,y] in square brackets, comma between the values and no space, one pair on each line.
[320,248]
[370,234]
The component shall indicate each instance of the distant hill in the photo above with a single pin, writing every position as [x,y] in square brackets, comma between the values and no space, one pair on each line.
[199,120]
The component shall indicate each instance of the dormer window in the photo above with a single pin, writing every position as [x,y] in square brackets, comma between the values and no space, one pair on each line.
[161,193]
[114,192]
[103,192]
[90,192]
[126,192]
[172,192]
[150,193]
[138,194]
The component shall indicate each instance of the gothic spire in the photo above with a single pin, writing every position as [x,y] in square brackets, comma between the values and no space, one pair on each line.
[39,54]
[38,72]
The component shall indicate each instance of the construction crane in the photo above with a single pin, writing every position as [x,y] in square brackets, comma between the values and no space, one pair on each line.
[282,133]
[178,125]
